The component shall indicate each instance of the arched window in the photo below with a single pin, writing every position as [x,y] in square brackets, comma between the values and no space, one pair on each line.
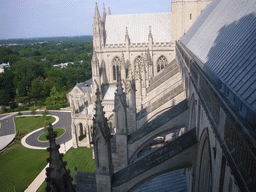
[116,67]
[138,63]
[161,63]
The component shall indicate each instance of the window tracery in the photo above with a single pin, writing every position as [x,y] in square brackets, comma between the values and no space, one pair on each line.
[138,64]
[161,63]
[116,63]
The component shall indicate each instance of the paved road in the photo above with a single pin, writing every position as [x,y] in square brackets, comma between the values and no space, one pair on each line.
[64,122]
[8,128]
[7,124]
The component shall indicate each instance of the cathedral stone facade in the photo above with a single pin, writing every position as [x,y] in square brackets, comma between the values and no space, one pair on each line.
[170,104]
[139,47]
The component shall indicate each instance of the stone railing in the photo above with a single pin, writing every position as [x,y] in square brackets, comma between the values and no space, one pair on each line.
[236,139]
[155,158]
[158,121]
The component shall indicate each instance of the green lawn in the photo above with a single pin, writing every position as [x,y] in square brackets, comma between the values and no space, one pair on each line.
[59,132]
[81,158]
[28,124]
[19,166]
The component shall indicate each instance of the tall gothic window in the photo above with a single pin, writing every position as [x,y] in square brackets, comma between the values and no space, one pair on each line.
[116,63]
[161,63]
[138,63]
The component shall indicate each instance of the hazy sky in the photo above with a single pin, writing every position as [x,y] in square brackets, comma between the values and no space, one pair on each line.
[47,18]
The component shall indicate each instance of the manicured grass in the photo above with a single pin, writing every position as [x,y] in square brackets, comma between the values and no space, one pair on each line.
[59,132]
[19,166]
[28,124]
[81,158]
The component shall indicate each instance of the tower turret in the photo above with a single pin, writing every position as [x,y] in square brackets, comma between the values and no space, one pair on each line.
[98,30]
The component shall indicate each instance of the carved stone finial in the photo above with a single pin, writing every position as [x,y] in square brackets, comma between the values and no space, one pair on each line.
[97,13]
[58,178]
[109,13]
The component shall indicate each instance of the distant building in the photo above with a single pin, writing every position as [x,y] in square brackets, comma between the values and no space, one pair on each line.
[4,65]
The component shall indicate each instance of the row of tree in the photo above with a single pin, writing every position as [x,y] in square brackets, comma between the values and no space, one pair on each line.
[32,77]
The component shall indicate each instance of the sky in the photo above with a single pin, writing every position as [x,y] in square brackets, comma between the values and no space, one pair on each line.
[52,18]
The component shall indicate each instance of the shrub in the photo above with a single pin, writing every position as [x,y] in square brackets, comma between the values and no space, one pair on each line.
[21,108]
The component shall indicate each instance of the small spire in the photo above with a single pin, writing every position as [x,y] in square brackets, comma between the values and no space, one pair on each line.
[119,89]
[109,13]
[58,178]
[126,34]
[150,34]
[99,119]
[97,14]
[104,13]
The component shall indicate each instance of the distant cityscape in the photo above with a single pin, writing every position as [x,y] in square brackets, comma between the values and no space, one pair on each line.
[41,40]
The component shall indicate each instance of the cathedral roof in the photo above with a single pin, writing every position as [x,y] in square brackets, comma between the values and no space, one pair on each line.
[138,27]
[223,38]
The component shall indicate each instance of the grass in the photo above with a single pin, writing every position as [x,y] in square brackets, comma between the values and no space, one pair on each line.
[19,166]
[59,132]
[28,124]
[81,158]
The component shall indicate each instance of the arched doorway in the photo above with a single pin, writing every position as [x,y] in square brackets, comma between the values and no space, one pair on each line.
[81,131]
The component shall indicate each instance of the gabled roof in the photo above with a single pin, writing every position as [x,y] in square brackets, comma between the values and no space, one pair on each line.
[138,27]
[224,39]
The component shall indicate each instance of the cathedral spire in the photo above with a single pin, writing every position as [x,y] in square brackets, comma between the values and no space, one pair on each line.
[97,14]
[109,13]
[58,178]
[104,13]
[99,119]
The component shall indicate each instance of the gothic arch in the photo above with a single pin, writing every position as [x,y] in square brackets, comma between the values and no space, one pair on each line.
[81,131]
[138,63]
[103,74]
[116,66]
[112,124]
[161,63]
[204,164]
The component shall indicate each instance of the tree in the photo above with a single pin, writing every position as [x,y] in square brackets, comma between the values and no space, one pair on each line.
[33,111]
[19,113]
[36,90]
[45,113]
[55,100]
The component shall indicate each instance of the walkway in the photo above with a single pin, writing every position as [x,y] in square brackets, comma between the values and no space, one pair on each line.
[7,134]
[7,129]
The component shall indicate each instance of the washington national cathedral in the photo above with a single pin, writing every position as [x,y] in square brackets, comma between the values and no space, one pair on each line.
[171,105]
